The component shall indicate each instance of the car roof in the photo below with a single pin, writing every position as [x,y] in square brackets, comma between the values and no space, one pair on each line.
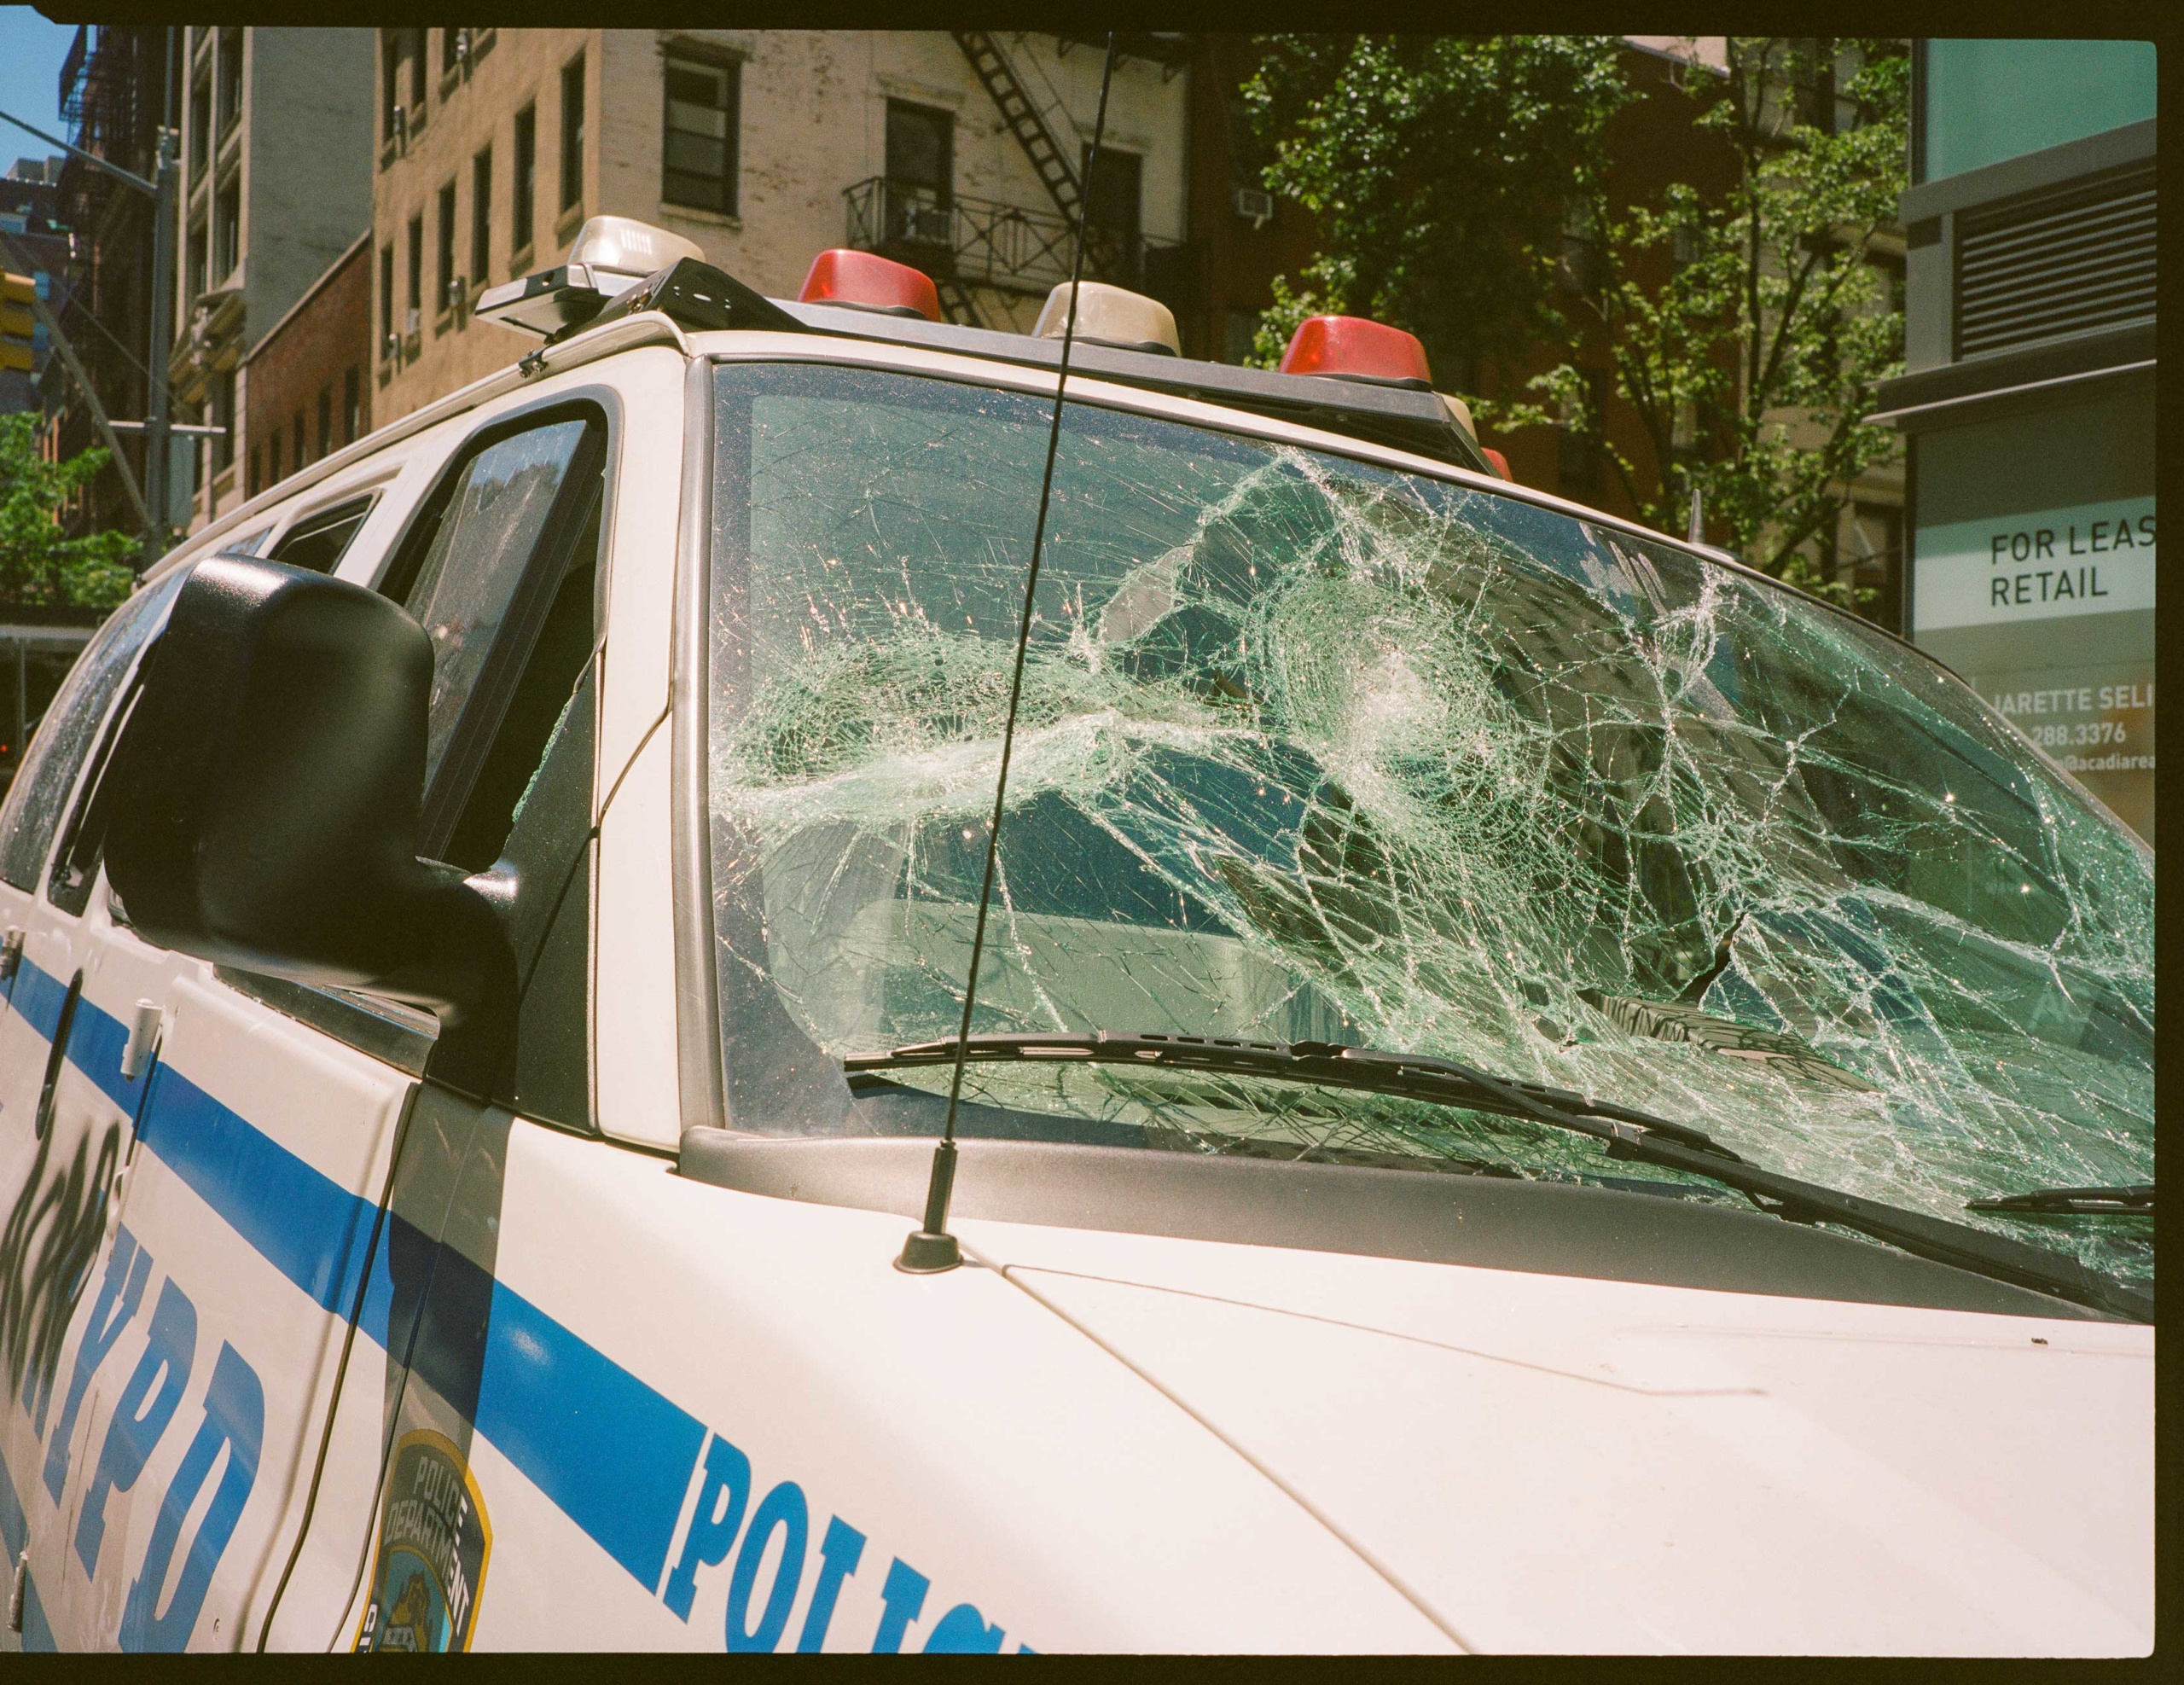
[1406,418]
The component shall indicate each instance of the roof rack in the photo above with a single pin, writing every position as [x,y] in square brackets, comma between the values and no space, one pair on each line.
[1390,415]
[585,293]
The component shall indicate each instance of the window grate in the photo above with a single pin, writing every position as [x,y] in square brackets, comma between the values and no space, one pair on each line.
[2056,262]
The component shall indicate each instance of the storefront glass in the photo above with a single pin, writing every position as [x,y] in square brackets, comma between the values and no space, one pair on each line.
[2034,578]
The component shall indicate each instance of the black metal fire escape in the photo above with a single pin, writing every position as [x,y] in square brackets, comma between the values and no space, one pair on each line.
[1048,158]
[955,303]
[963,242]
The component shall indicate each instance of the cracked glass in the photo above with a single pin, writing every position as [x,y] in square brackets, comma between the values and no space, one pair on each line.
[1311,748]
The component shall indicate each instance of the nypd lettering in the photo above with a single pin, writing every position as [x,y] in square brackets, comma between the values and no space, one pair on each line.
[725,1545]
[167,1588]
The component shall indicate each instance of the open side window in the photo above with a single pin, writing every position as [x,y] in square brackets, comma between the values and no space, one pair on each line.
[321,539]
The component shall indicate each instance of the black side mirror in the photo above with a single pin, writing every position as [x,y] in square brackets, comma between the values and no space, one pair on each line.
[264,804]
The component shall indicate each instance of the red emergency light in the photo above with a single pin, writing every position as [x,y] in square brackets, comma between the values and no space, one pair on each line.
[867,281]
[1354,348]
[1501,463]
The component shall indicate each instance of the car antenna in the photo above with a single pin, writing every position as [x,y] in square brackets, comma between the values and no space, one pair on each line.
[931,1249]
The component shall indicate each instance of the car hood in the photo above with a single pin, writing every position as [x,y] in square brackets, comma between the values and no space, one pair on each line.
[1556,1463]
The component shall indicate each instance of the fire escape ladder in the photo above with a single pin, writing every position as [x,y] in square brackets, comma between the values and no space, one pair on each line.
[1023,119]
[955,302]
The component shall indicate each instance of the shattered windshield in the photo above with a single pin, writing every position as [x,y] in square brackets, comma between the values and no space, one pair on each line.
[1311,749]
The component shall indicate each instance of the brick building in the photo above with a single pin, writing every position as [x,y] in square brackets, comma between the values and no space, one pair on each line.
[1240,236]
[307,383]
[962,153]
[276,138]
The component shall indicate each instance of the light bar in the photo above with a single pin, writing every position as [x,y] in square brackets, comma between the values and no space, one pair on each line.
[1355,348]
[624,248]
[867,281]
[611,255]
[1112,316]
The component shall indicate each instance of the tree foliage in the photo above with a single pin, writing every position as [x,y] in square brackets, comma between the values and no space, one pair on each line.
[1437,167]
[1745,333]
[40,566]
[1748,347]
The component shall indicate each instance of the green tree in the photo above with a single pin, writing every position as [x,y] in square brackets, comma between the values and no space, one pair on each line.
[1745,333]
[1437,167]
[40,566]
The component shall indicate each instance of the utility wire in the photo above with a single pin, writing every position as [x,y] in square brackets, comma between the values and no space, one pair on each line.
[932,1248]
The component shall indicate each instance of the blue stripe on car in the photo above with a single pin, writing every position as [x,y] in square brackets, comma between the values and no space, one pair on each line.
[611,1452]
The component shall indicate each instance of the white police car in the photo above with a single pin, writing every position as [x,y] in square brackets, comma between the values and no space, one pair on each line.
[1492,1020]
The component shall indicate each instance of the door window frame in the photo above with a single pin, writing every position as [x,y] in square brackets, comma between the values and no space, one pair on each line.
[390,1031]
[405,556]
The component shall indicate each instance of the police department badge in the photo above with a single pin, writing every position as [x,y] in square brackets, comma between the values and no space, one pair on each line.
[434,1541]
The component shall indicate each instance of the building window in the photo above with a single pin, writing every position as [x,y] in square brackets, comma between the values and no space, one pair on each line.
[1578,455]
[481,217]
[1876,561]
[230,49]
[921,151]
[386,297]
[223,417]
[444,298]
[200,125]
[1821,69]
[1581,246]
[200,255]
[920,174]
[252,482]
[390,83]
[227,229]
[326,421]
[1114,190]
[698,153]
[450,49]
[296,434]
[415,48]
[1890,268]
[525,188]
[410,323]
[352,405]
[273,458]
[571,133]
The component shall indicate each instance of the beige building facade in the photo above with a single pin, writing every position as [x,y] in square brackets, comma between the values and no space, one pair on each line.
[273,126]
[961,153]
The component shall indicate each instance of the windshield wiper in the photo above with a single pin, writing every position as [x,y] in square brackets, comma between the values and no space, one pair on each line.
[1626,1133]
[2136,1200]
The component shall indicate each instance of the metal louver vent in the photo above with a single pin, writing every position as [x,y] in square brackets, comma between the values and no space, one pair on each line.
[2056,264]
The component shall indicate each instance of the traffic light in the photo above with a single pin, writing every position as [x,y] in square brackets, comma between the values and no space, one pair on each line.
[17,321]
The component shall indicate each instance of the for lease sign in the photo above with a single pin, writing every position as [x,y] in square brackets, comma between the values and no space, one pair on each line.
[2093,559]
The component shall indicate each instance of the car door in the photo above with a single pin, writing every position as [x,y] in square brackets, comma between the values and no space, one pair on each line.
[402,1538]
[64,1133]
[237,1260]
